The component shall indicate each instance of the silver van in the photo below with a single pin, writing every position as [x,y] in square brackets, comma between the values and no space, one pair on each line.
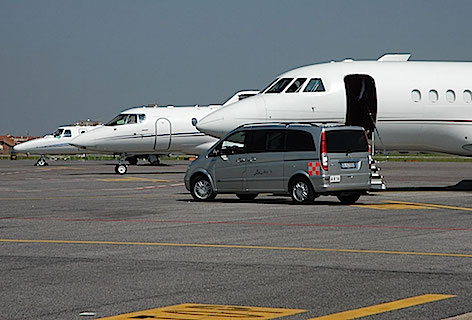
[300,160]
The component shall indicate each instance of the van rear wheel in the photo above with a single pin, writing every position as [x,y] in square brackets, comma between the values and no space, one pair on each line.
[349,198]
[302,191]
[201,189]
[246,196]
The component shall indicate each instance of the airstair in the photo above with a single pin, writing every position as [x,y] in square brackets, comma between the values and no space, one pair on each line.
[376,180]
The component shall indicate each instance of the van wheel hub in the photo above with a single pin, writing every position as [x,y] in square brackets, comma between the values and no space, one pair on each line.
[300,191]
[203,189]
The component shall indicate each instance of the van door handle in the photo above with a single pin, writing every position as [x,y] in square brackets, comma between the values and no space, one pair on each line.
[241,160]
[253,159]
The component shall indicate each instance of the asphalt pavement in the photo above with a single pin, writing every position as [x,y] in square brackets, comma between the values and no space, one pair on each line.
[78,241]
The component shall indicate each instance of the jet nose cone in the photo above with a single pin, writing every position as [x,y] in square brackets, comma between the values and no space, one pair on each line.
[18,148]
[213,124]
[227,118]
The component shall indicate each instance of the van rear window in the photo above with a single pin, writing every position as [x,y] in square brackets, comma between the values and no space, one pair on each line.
[346,141]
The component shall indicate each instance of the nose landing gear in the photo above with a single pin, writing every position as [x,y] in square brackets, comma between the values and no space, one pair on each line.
[41,162]
[121,167]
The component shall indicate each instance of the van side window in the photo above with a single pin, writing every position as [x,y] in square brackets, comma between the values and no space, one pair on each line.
[234,144]
[315,85]
[346,141]
[296,85]
[266,141]
[299,141]
[275,141]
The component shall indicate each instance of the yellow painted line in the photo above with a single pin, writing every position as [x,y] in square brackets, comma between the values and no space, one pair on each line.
[127,179]
[384,307]
[394,206]
[432,205]
[192,311]
[229,246]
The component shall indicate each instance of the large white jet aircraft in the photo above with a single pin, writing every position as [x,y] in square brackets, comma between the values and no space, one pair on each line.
[153,129]
[56,143]
[411,106]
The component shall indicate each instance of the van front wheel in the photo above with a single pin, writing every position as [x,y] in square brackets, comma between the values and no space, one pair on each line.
[349,198]
[201,189]
[302,191]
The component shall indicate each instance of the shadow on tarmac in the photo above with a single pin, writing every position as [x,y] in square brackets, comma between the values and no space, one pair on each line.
[464,185]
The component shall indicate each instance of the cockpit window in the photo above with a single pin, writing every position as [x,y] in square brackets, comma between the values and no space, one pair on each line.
[270,85]
[315,85]
[132,118]
[141,117]
[296,85]
[280,85]
[67,134]
[58,133]
[123,119]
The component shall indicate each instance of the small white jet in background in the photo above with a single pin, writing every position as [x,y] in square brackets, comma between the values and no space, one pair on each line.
[56,143]
[153,130]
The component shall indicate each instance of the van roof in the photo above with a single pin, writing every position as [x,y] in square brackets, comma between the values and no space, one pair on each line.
[297,124]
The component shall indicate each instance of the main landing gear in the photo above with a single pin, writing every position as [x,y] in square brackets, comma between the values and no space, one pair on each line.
[41,162]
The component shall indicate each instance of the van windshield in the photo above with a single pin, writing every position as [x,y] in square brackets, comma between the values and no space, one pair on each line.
[346,141]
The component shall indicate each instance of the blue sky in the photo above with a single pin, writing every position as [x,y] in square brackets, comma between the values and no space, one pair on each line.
[62,61]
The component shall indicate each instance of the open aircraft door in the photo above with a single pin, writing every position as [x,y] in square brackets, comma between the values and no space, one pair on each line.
[163,134]
[361,109]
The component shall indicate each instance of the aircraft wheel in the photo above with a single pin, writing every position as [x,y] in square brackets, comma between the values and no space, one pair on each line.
[121,168]
[201,189]
[302,191]
[348,198]
[41,163]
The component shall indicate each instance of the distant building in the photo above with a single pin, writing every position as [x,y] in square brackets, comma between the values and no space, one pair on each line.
[8,142]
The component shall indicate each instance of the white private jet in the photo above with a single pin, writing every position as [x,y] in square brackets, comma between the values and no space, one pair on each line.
[153,129]
[56,143]
[411,106]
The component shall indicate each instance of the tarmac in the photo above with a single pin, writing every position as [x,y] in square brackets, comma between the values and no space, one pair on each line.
[78,241]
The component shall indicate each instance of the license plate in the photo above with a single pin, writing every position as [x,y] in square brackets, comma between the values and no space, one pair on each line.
[348,165]
[335,179]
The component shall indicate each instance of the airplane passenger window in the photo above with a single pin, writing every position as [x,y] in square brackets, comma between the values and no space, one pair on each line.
[467,96]
[416,95]
[142,117]
[67,133]
[280,85]
[450,96]
[270,85]
[296,85]
[315,85]
[433,96]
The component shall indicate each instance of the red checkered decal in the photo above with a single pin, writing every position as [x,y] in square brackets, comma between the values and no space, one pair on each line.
[313,168]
